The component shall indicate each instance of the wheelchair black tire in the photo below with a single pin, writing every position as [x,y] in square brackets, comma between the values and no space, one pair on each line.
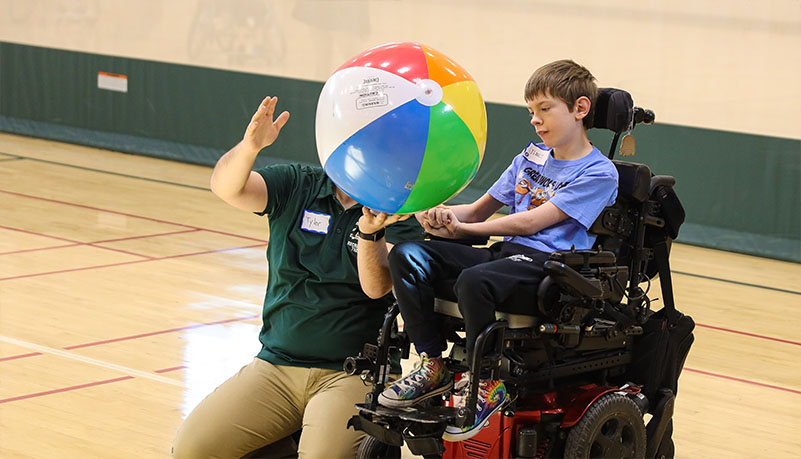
[372,448]
[612,427]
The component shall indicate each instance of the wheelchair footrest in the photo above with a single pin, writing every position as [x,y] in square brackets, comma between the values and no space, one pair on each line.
[421,430]
[429,415]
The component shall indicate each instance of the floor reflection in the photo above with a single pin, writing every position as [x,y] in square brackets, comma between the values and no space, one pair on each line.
[212,355]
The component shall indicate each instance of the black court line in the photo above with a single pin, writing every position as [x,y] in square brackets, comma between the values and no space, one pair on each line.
[11,158]
[745,284]
[119,174]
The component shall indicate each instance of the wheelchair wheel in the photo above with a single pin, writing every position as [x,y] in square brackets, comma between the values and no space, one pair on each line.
[371,448]
[612,427]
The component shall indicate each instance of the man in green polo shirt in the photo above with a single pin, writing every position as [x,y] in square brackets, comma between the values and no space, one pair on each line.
[315,311]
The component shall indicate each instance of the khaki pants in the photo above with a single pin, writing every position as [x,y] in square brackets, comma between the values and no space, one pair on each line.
[265,403]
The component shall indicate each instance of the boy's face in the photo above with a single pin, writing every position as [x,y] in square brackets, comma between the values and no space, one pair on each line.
[555,123]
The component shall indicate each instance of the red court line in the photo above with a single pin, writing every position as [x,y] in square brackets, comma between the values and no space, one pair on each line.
[233,235]
[83,206]
[165,370]
[83,386]
[39,249]
[91,244]
[40,234]
[85,268]
[126,252]
[746,381]
[146,236]
[141,335]
[753,335]
[161,332]
[65,389]
[21,356]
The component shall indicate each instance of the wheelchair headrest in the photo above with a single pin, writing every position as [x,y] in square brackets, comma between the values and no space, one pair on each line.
[634,180]
[614,110]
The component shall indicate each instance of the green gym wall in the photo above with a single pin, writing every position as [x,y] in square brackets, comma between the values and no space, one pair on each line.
[721,77]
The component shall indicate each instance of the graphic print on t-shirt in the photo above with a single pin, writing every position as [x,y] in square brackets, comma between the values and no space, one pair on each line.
[535,187]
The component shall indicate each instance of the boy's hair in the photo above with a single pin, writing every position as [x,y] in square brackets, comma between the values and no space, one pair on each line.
[566,80]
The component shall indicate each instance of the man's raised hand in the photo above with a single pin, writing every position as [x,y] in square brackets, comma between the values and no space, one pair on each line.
[263,130]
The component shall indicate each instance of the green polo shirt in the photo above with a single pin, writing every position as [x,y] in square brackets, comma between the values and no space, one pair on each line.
[315,313]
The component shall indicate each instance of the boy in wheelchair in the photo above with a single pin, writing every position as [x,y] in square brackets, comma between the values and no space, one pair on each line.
[566,344]
[555,190]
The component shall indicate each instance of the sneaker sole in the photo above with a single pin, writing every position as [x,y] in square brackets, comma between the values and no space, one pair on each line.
[390,403]
[461,436]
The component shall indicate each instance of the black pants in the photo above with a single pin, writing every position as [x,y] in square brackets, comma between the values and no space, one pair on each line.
[484,278]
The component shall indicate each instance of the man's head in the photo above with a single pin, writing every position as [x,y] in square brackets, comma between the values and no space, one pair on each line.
[567,81]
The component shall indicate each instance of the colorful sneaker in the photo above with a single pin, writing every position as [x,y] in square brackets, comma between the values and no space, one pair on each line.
[491,398]
[429,378]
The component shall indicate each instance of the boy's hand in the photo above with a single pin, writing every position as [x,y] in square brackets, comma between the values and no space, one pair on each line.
[442,224]
[371,222]
[262,130]
[434,217]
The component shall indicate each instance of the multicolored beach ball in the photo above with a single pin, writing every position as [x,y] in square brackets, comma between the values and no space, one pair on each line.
[401,128]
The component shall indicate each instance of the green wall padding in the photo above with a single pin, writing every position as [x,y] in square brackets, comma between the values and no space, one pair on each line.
[742,192]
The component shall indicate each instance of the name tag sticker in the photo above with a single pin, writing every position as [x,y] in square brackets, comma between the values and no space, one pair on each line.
[535,154]
[315,222]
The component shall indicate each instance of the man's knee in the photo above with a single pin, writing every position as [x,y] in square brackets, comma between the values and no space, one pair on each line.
[205,442]
[188,445]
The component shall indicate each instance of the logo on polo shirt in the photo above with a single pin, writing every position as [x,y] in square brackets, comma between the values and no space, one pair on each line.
[353,240]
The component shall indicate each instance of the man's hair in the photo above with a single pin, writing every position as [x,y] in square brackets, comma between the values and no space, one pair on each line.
[566,80]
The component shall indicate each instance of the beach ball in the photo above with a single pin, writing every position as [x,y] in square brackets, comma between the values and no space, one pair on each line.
[401,128]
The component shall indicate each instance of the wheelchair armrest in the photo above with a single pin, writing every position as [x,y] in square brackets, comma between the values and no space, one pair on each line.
[572,280]
[661,180]
[584,257]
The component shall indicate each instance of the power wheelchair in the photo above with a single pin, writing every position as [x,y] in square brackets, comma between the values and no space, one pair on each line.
[583,363]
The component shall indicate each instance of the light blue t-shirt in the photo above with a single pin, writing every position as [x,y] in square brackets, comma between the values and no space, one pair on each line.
[581,188]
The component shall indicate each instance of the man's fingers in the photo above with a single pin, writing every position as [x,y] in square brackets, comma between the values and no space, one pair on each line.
[271,107]
[259,113]
[281,120]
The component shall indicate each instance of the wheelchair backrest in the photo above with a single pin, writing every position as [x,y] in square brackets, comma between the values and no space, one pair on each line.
[620,227]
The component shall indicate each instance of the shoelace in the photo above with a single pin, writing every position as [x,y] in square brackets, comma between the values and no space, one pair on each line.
[483,392]
[416,378]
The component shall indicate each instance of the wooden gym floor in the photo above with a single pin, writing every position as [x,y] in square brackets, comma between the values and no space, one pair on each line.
[128,292]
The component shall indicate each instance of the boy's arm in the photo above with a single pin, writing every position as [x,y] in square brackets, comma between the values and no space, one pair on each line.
[233,179]
[478,211]
[519,224]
